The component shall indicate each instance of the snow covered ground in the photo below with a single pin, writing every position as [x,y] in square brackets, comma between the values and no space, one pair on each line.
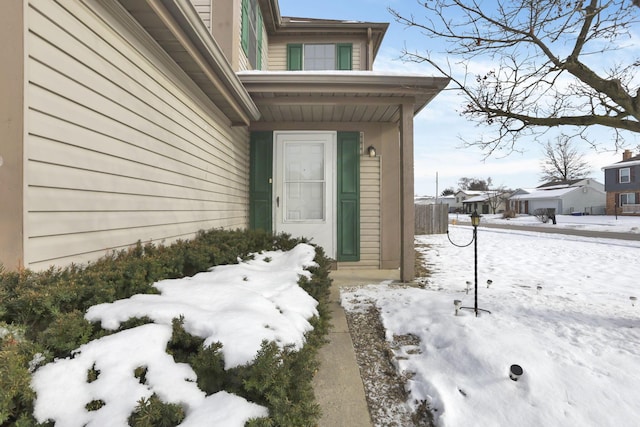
[621,224]
[562,307]
[237,305]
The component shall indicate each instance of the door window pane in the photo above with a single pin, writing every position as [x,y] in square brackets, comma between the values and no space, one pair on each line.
[304,181]
[305,201]
[304,162]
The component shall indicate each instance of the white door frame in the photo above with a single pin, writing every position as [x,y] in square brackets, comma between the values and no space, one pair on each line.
[321,231]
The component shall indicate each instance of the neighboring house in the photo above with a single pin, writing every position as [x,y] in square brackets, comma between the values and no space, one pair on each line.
[128,120]
[622,185]
[565,197]
[485,203]
[447,200]
[461,196]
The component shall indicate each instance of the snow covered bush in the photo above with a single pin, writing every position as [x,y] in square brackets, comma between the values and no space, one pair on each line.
[50,308]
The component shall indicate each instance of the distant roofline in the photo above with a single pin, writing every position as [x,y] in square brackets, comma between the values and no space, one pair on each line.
[276,24]
[634,161]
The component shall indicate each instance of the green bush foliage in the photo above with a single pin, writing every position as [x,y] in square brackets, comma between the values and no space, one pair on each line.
[42,318]
[67,332]
[152,412]
[18,359]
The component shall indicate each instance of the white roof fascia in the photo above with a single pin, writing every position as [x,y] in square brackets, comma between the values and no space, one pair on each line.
[621,165]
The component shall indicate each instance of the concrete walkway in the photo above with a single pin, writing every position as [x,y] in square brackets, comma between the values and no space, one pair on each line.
[337,385]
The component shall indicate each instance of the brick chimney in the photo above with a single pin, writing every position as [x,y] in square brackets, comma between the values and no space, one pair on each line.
[626,155]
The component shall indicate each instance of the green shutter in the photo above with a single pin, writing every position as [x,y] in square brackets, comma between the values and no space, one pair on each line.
[259,30]
[294,57]
[348,196]
[245,27]
[344,56]
[260,181]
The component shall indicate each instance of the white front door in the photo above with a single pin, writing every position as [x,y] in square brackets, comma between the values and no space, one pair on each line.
[304,194]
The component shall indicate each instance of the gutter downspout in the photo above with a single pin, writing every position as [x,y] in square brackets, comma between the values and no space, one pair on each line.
[369,50]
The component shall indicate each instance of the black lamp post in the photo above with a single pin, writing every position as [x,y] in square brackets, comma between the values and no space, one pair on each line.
[475,221]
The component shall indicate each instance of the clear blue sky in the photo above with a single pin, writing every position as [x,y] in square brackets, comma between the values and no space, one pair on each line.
[439,127]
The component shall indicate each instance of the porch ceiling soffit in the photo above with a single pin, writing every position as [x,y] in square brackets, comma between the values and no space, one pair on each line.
[177,28]
[348,96]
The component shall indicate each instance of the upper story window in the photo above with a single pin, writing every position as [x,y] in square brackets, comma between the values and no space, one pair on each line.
[318,56]
[252,33]
[624,175]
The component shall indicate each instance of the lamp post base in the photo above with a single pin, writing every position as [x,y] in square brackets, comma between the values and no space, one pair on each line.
[475,309]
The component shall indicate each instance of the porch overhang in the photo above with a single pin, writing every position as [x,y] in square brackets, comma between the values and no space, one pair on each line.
[338,96]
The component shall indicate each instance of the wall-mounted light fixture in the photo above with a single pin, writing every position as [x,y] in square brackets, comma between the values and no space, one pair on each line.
[372,151]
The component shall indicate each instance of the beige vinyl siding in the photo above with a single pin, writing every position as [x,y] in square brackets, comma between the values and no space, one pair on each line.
[369,215]
[277,56]
[265,49]
[278,51]
[121,145]
[203,7]
[243,60]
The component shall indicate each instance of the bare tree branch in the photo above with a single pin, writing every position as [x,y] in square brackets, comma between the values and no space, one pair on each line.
[552,64]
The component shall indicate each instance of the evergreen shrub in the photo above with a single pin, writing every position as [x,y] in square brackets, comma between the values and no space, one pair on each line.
[42,318]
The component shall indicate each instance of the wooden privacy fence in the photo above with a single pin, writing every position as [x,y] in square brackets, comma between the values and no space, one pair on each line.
[432,219]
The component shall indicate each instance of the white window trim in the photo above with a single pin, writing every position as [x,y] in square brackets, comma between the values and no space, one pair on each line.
[627,176]
[627,197]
